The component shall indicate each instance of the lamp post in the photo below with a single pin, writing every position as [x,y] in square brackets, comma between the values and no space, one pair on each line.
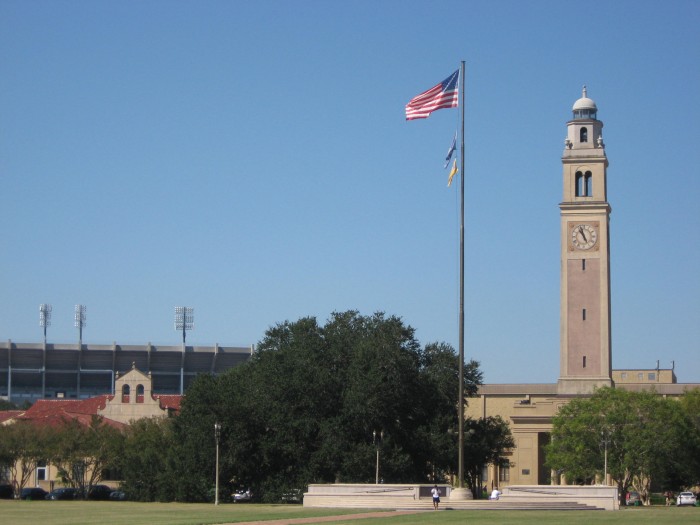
[605,438]
[44,317]
[217,436]
[377,442]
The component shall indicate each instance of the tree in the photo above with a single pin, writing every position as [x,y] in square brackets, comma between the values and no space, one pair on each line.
[644,435]
[304,408]
[690,406]
[7,405]
[488,440]
[22,446]
[81,453]
[440,371]
[146,460]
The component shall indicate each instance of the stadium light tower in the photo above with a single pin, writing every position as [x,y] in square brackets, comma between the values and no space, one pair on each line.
[44,317]
[80,322]
[184,320]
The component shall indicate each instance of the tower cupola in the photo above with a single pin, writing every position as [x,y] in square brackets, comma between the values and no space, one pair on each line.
[585,108]
[585,131]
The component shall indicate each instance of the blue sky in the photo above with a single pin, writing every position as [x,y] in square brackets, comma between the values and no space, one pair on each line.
[252,160]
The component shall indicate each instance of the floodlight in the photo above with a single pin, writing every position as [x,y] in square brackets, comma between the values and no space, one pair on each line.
[80,321]
[184,320]
[44,317]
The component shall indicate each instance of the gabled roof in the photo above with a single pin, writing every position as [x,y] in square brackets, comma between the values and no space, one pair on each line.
[55,412]
[44,407]
[169,402]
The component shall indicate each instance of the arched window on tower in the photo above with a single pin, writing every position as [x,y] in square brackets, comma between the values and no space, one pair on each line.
[584,184]
[588,189]
[579,184]
[583,135]
[139,393]
[125,393]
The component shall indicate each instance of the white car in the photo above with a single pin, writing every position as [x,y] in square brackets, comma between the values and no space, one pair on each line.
[242,495]
[686,498]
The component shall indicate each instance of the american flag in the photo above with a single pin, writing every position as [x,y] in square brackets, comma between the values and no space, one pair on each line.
[444,95]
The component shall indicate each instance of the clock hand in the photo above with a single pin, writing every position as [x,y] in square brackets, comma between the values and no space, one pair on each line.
[580,229]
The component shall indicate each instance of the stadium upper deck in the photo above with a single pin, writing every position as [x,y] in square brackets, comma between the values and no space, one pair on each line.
[31,371]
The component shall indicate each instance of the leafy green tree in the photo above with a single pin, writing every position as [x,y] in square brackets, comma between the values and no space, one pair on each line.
[146,460]
[645,435]
[440,371]
[304,408]
[690,406]
[7,405]
[22,446]
[81,453]
[486,442]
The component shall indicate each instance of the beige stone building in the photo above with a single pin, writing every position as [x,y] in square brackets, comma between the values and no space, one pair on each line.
[133,399]
[585,319]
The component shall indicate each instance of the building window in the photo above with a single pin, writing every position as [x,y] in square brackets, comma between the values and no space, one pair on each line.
[125,393]
[584,314]
[504,473]
[139,393]
[588,182]
[624,375]
[583,134]
[583,264]
[652,376]
[579,184]
[40,471]
[584,184]
[485,474]
[640,376]
[584,361]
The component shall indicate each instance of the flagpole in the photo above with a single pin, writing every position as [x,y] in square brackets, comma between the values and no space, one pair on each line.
[461,492]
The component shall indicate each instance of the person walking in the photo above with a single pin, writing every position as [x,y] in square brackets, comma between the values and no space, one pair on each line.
[436,497]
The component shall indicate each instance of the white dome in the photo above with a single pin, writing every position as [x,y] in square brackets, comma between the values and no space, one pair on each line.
[584,102]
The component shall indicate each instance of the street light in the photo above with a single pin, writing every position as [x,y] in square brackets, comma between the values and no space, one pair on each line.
[44,317]
[80,322]
[184,320]
[217,436]
[377,442]
[605,438]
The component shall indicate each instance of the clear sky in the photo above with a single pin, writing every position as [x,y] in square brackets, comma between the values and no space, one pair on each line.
[252,160]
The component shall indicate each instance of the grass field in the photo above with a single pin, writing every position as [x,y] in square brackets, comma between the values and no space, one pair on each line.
[131,513]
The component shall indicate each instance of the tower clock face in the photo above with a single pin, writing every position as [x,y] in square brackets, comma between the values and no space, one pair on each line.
[583,236]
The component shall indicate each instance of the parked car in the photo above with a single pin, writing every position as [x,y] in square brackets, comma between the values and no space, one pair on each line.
[101,492]
[117,495]
[6,492]
[32,493]
[242,496]
[62,493]
[686,498]
[633,499]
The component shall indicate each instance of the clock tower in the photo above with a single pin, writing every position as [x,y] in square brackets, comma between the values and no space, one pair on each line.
[585,348]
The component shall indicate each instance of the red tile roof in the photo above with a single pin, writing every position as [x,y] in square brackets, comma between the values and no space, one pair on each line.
[54,412]
[169,402]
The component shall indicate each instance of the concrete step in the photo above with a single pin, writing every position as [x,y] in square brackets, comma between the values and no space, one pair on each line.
[403,503]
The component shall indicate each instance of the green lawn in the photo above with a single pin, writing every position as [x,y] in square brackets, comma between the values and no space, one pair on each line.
[130,513]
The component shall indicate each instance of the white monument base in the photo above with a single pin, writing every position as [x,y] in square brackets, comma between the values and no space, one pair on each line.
[460,494]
